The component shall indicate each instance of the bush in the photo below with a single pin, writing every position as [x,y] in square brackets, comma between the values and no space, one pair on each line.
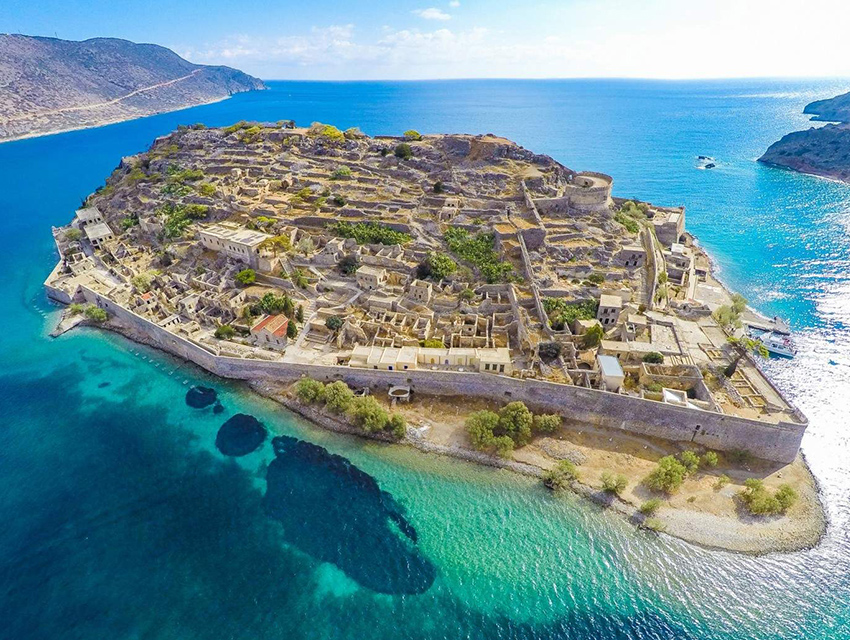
[709,459]
[650,506]
[205,189]
[412,135]
[334,323]
[467,294]
[721,482]
[246,277]
[368,233]
[668,476]
[562,313]
[309,390]
[291,330]
[341,172]
[615,484]
[560,476]
[549,351]
[348,265]
[397,426]
[592,337]
[654,524]
[760,502]
[338,396]
[141,282]
[690,461]
[433,343]
[479,251]
[515,421]
[438,186]
[439,265]
[326,132]
[547,423]
[368,414]
[403,151]
[94,313]
[73,234]
[596,278]
[653,357]
[480,426]
[225,332]
[75,309]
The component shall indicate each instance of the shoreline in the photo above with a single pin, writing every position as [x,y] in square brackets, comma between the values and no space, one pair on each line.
[109,122]
[701,534]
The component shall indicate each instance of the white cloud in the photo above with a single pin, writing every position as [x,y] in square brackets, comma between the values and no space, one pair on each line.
[432,13]
[454,4]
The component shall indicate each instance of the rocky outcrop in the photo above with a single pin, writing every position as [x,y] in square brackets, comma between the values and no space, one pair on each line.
[822,151]
[51,85]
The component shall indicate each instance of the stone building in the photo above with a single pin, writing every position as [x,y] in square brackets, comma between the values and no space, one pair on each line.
[370,278]
[270,331]
[609,310]
[234,241]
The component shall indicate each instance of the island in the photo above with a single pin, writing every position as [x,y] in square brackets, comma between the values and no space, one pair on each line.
[461,294]
[52,85]
[821,151]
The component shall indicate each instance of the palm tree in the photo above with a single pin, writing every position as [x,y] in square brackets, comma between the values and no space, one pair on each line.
[742,346]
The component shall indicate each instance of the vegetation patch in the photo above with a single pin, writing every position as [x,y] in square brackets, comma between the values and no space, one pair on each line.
[368,233]
[759,501]
[479,251]
[562,313]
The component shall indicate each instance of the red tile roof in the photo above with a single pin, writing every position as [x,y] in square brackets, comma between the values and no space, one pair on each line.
[276,325]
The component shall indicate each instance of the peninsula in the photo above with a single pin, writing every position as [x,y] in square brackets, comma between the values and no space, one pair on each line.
[51,85]
[822,151]
[462,294]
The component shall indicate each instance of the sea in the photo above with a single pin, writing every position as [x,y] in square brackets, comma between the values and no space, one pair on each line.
[122,518]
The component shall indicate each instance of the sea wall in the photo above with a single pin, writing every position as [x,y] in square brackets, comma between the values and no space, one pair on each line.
[776,442]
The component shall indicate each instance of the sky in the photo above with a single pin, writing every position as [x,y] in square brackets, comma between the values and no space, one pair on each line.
[408,39]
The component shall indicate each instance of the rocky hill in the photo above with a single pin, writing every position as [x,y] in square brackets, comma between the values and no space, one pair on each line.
[822,151]
[49,85]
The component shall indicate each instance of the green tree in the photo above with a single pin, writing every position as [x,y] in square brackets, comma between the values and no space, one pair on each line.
[547,423]
[291,330]
[592,337]
[341,172]
[480,426]
[348,265]
[73,234]
[338,397]
[403,151]
[224,332]
[668,476]
[743,346]
[612,483]
[309,390]
[560,476]
[246,277]
[515,421]
[690,461]
[141,282]
[334,323]
[653,357]
[368,414]
[299,313]
[709,459]
[95,313]
[439,265]
[413,135]
[397,426]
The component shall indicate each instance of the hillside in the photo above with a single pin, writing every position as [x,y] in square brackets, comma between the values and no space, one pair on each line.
[49,85]
[822,151]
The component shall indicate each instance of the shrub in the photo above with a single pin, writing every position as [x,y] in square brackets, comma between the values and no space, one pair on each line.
[309,390]
[368,233]
[560,476]
[439,265]
[690,461]
[246,277]
[225,332]
[479,251]
[759,501]
[141,282]
[654,524]
[368,414]
[480,426]
[334,323]
[433,343]
[95,313]
[612,483]
[403,151]
[562,313]
[412,135]
[341,172]
[291,330]
[467,294]
[596,278]
[592,337]
[326,132]
[668,476]
[348,264]
[397,425]
[515,421]
[338,396]
[205,189]
[721,482]
[73,234]
[547,423]
[438,187]
[709,459]
[653,357]
[75,309]
[650,506]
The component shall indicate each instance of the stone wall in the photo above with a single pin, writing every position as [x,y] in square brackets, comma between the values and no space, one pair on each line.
[776,442]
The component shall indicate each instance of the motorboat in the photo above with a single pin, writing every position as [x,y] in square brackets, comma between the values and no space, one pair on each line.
[778,344]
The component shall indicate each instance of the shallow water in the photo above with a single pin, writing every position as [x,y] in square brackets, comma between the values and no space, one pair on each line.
[122,518]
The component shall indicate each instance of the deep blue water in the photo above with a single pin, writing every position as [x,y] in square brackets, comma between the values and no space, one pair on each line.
[122,518]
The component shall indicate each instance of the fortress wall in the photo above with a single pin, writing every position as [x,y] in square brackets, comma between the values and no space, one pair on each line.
[778,443]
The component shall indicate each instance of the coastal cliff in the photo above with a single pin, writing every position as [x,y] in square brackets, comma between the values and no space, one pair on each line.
[51,85]
[822,151]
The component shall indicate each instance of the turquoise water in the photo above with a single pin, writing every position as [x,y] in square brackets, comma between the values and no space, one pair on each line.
[122,519]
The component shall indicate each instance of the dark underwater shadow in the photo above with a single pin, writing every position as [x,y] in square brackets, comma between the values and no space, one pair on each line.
[240,435]
[336,513]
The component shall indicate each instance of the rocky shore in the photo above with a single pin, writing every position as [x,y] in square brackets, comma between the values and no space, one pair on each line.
[821,151]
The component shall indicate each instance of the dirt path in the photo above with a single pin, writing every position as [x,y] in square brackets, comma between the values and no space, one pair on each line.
[98,105]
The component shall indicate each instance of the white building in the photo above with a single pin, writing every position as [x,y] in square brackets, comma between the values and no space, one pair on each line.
[86,216]
[611,372]
[98,233]
[610,307]
[234,241]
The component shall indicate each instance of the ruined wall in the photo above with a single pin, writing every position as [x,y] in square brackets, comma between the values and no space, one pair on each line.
[779,443]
